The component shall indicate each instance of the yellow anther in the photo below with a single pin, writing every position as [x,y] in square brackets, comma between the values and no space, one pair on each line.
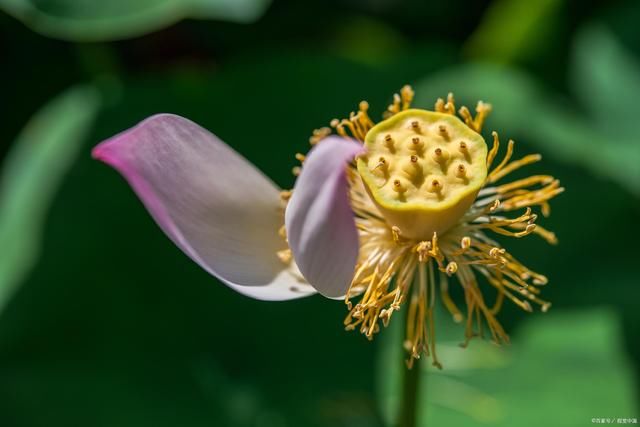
[285,255]
[319,134]
[285,195]
[450,106]
[540,280]
[422,249]
[395,233]
[406,93]
[496,252]
[452,268]
[300,157]
[337,125]
[482,111]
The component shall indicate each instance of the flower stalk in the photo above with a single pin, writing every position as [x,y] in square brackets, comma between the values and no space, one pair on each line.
[412,386]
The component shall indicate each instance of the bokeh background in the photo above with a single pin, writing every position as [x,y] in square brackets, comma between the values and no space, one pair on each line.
[103,322]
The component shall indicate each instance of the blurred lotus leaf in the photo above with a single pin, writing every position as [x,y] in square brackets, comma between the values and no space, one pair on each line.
[513,29]
[31,174]
[600,134]
[606,78]
[89,20]
[557,366]
[368,40]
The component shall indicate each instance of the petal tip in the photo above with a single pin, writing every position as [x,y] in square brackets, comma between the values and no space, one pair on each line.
[101,152]
[109,151]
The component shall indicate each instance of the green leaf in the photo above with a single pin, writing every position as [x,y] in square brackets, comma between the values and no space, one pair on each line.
[89,20]
[31,174]
[561,369]
[368,40]
[603,139]
[606,78]
[512,29]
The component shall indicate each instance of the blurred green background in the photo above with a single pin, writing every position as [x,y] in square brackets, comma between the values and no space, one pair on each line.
[103,322]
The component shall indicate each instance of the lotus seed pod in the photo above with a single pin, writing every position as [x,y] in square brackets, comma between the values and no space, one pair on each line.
[434,170]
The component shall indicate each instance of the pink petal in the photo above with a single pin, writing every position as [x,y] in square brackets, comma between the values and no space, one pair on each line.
[211,202]
[320,223]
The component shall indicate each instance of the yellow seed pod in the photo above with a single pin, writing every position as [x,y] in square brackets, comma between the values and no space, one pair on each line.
[439,162]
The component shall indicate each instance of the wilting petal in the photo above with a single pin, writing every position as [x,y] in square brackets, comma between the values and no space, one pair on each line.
[320,223]
[217,207]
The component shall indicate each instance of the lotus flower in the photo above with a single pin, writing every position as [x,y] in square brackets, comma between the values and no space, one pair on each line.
[388,212]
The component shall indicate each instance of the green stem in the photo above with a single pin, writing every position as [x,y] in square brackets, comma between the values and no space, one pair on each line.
[408,416]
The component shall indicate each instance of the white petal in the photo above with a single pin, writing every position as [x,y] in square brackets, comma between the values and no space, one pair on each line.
[320,222]
[214,205]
